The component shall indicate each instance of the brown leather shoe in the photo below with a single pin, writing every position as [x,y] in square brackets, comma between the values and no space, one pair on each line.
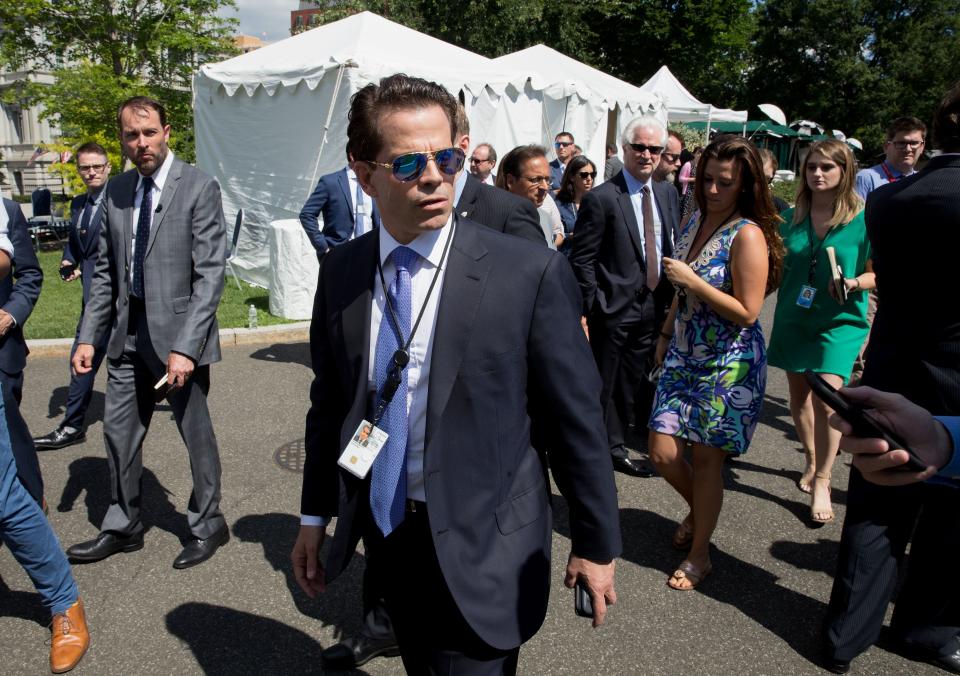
[70,638]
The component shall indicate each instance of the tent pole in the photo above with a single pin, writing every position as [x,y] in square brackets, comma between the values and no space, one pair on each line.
[326,128]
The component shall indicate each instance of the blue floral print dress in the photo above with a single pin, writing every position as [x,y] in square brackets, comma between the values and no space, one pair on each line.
[715,371]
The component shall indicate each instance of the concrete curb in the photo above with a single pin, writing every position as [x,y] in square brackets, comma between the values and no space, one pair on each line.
[296,332]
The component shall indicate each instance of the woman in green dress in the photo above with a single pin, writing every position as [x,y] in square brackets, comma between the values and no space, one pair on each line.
[814,327]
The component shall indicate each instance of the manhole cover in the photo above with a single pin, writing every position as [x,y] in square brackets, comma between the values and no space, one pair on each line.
[290,456]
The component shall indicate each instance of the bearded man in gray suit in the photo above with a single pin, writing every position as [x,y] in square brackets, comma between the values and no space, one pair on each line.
[156,289]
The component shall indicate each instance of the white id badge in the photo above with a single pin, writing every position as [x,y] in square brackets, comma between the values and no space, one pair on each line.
[357,458]
[805,299]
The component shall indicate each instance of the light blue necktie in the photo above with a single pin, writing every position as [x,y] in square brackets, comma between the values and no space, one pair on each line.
[388,481]
[358,213]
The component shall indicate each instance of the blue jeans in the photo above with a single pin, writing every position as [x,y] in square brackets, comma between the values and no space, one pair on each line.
[28,534]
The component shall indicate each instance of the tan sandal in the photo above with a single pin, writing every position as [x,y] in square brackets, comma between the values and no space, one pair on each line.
[683,538]
[820,516]
[689,573]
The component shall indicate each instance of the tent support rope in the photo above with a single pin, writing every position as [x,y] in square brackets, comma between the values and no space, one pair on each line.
[326,128]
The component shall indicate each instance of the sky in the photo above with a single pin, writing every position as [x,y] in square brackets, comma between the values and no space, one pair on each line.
[266,19]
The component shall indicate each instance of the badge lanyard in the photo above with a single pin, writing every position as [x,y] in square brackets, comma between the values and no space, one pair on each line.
[815,253]
[402,356]
[890,177]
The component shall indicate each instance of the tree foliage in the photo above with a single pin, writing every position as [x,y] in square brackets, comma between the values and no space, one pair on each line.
[103,51]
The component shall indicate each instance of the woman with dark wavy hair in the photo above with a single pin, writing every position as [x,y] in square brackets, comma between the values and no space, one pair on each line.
[729,257]
[813,328]
[577,181]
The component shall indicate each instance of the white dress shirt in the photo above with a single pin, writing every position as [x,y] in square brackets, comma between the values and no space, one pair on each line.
[5,243]
[159,179]
[430,246]
[363,218]
[634,187]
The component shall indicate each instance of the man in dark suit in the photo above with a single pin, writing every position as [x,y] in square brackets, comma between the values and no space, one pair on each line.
[156,289]
[564,145]
[347,211]
[455,511]
[624,229]
[19,292]
[914,350]
[80,259]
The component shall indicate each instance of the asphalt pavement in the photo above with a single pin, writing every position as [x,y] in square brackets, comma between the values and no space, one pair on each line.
[241,612]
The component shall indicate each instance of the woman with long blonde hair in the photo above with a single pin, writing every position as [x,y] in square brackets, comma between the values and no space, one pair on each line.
[816,325]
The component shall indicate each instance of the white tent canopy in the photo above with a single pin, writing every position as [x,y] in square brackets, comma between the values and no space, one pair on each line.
[682,106]
[576,98]
[270,122]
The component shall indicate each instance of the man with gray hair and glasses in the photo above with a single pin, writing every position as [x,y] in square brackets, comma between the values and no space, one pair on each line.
[624,229]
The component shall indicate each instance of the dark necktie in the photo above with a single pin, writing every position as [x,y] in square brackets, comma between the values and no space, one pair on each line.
[85,218]
[388,482]
[143,237]
[649,239]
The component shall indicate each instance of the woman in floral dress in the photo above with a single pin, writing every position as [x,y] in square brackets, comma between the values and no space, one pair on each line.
[729,257]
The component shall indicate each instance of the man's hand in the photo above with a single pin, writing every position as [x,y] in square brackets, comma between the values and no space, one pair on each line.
[879,464]
[586,329]
[6,322]
[599,580]
[306,565]
[179,370]
[73,275]
[82,361]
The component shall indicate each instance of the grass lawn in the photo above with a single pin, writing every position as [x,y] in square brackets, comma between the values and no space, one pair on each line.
[58,309]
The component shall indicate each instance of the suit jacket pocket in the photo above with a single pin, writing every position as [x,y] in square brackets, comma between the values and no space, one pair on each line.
[522,510]
[180,304]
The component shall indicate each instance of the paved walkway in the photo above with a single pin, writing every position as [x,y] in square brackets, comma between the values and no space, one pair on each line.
[241,613]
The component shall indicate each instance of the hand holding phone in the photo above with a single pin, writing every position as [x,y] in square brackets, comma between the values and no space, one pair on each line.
[582,603]
[863,423]
[67,270]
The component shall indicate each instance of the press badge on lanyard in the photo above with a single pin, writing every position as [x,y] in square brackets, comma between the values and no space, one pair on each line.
[357,458]
[808,291]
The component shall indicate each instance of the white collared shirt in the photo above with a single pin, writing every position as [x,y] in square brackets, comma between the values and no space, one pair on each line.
[5,243]
[361,225]
[430,246]
[159,179]
[634,187]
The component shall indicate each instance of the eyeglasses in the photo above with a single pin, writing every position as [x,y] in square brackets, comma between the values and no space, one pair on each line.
[562,144]
[537,180]
[640,148]
[903,145]
[669,157]
[477,160]
[587,174]
[91,167]
[410,166]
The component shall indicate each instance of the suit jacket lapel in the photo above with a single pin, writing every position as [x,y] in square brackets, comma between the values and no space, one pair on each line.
[463,285]
[128,192]
[353,314]
[166,198]
[666,229]
[468,198]
[629,216]
[344,184]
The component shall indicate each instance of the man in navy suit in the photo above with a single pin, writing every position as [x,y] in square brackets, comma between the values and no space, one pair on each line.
[78,262]
[455,512]
[347,211]
[566,148]
[624,229]
[19,292]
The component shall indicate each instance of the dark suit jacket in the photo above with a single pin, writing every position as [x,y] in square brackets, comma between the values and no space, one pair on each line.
[183,270]
[83,251]
[556,174]
[331,197]
[19,291]
[498,209]
[914,229]
[607,257]
[508,354]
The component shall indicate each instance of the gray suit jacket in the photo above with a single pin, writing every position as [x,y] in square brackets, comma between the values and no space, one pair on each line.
[183,270]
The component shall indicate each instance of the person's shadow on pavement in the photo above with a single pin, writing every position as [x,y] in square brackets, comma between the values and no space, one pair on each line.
[91,476]
[58,405]
[286,353]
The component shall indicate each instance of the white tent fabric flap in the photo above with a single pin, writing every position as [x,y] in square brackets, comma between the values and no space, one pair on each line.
[682,106]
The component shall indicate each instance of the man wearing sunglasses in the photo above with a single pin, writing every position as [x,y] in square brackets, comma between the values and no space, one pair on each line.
[564,145]
[624,229]
[78,262]
[669,158]
[477,335]
[348,212]
[902,149]
[482,162]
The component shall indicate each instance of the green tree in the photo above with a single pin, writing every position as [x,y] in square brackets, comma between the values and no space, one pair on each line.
[102,51]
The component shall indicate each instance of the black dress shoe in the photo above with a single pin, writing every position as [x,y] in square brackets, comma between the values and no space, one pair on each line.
[104,545]
[355,651]
[59,438]
[633,467]
[197,550]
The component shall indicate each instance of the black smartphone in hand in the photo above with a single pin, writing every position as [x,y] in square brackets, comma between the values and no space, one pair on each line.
[864,425]
[67,270]
[582,603]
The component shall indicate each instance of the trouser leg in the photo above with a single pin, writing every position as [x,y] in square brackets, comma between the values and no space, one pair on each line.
[189,405]
[21,441]
[80,391]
